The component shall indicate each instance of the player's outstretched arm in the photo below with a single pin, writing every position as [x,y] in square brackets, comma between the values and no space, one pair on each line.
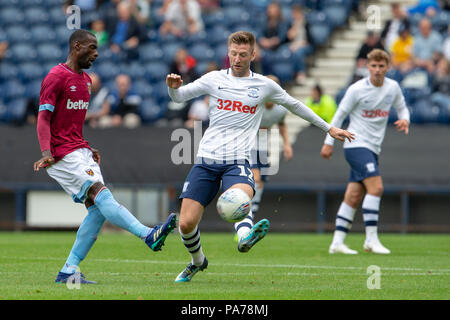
[174,81]
[341,134]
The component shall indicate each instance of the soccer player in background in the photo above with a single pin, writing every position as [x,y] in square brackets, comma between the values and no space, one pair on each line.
[367,102]
[68,158]
[274,114]
[236,99]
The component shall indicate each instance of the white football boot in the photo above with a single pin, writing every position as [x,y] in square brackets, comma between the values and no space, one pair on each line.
[375,246]
[341,248]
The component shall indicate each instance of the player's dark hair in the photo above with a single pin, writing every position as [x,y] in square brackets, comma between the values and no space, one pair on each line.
[242,37]
[79,35]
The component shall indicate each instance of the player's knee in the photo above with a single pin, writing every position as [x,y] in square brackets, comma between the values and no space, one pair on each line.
[376,191]
[353,199]
[186,226]
[93,191]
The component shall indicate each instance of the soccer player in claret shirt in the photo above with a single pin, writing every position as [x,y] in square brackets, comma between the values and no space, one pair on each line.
[367,102]
[236,99]
[69,159]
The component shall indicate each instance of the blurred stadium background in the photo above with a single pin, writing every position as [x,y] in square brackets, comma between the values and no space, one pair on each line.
[137,164]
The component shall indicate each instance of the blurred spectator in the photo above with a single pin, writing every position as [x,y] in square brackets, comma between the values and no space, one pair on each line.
[31,113]
[124,106]
[446,45]
[99,104]
[184,65]
[391,27]
[124,32]
[427,44]
[162,11]
[199,111]
[425,7]
[98,29]
[299,42]
[182,17]
[3,48]
[140,10]
[322,104]
[209,6]
[371,42]
[401,50]
[440,84]
[275,30]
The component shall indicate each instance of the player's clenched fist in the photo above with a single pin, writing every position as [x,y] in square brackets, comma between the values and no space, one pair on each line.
[174,81]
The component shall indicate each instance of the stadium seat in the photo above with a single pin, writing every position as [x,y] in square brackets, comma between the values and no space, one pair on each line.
[13,89]
[160,93]
[42,33]
[336,12]
[35,15]
[31,3]
[33,88]
[218,35]
[107,70]
[8,71]
[235,15]
[441,21]
[151,111]
[150,52]
[63,34]
[16,109]
[11,15]
[283,54]
[30,71]
[9,3]
[134,70]
[220,52]
[229,3]
[142,88]
[169,51]
[426,112]
[156,71]
[283,70]
[57,16]
[201,52]
[196,38]
[22,52]
[49,52]
[319,33]
[215,18]
[17,33]
[201,67]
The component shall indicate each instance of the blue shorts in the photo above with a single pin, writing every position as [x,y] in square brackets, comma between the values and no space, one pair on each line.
[260,162]
[363,163]
[204,179]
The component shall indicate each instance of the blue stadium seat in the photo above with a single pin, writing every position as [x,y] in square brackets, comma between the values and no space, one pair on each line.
[23,52]
[283,54]
[426,112]
[9,3]
[441,21]
[17,33]
[8,71]
[160,93]
[201,67]
[336,12]
[35,15]
[49,52]
[42,33]
[151,111]
[218,35]
[11,15]
[220,52]
[283,70]
[201,52]
[196,38]
[30,71]
[63,34]
[169,50]
[107,70]
[234,15]
[33,89]
[228,3]
[142,88]
[156,71]
[16,109]
[215,18]
[13,89]
[31,3]
[319,33]
[135,70]
[49,65]
[57,16]
[150,52]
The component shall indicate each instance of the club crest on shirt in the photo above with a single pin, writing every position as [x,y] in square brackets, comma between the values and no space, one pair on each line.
[89,85]
[90,172]
[253,92]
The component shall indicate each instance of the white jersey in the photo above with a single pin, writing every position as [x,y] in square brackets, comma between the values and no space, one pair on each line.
[274,115]
[236,106]
[368,107]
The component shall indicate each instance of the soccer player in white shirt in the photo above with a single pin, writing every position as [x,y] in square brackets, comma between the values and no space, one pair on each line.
[367,102]
[236,98]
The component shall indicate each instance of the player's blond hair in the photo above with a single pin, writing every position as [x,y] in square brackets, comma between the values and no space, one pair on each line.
[242,37]
[378,55]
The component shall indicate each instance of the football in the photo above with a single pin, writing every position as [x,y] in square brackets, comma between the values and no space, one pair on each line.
[233,205]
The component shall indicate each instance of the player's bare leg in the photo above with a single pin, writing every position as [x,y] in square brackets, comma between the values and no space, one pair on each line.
[190,215]
[344,219]
[371,208]
[248,233]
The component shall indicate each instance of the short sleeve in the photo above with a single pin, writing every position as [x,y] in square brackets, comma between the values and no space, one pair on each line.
[50,92]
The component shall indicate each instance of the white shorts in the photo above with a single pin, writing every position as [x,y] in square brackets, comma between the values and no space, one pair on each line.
[76,172]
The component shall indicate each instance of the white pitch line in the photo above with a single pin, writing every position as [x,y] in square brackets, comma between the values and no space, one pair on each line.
[244,265]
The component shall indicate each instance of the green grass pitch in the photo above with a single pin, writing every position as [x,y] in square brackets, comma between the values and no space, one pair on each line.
[282,266]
